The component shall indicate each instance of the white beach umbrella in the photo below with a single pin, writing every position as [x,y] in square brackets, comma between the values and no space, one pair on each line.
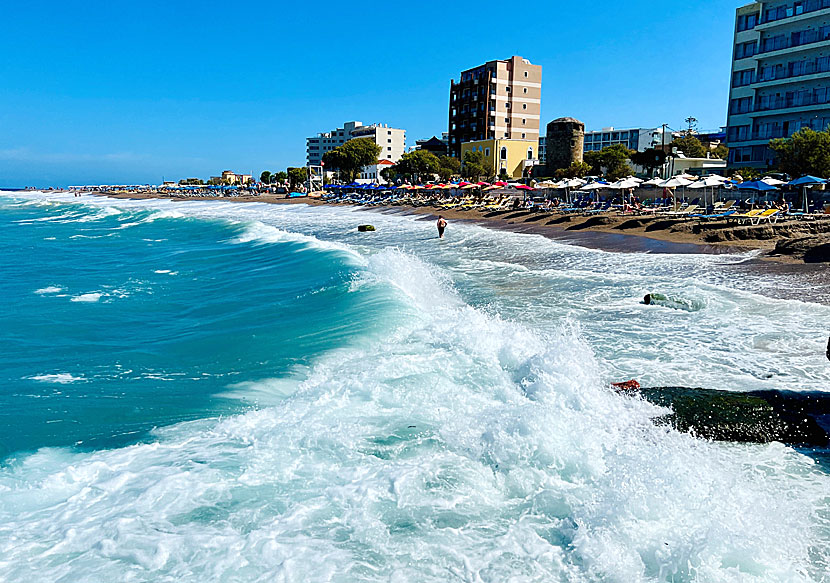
[653,182]
[674,182]
[772,181]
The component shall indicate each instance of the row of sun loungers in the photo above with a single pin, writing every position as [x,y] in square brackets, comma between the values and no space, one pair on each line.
[660,207]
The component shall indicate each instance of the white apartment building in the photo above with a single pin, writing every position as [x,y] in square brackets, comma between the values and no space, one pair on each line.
[640,139]
[391,140]
[780,76]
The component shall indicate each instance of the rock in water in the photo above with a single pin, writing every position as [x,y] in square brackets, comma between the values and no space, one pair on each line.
[364,228]
[753,417]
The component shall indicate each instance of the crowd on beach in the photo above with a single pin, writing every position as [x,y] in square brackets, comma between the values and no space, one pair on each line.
[727,201]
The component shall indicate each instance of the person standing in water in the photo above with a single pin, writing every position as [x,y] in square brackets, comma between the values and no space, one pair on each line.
[442,224]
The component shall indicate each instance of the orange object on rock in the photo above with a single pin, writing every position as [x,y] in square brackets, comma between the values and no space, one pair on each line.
[631,385]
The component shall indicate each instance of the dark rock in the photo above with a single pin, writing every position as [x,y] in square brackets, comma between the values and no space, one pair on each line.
[592,222]
[754,417]
[813,249]
[364,228]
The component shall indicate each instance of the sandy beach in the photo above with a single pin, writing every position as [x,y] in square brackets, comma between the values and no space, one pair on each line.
[609,231]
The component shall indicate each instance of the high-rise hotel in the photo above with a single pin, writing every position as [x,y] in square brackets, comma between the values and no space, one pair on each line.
[780,76]
[499,100]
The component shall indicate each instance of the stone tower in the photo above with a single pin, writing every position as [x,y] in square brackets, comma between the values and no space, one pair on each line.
[564,143]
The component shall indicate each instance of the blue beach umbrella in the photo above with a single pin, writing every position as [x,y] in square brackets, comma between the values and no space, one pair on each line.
[805,182]
[758,185]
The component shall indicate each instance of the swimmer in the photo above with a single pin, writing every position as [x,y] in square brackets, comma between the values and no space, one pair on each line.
[442,224]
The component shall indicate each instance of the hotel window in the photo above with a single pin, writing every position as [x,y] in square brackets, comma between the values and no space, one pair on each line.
[388,141]
[388,149]
[524,90]
[530,153]
[507,120]
[525,73]
[524,121]
[503,154]
[524,136]
[507,89]
[524,105]
[487,152]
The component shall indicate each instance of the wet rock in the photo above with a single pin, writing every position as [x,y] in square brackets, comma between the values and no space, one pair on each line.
[813,249]
[755,417]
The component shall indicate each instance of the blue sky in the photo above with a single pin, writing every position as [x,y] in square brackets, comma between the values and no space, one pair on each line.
[114,91]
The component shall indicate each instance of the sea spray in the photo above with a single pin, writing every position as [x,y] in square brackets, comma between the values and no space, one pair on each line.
[467,433]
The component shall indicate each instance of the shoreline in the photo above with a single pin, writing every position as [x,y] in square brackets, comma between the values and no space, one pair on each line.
[613,233]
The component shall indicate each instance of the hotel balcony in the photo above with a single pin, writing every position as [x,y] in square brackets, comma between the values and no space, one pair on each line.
[789,102]
[806,39]
[803,9]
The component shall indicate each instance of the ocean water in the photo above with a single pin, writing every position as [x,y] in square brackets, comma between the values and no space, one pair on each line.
[212,391]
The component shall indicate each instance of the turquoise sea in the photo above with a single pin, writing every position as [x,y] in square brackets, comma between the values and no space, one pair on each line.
[215,391]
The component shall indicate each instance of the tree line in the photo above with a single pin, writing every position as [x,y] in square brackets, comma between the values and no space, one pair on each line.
[614,162]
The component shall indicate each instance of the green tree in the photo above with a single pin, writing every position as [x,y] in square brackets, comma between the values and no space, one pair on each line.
[352,156]
[611,161]
[650,159]
[474,166]
[690,146]
[805,152]
[389,174]
[503,175]
[297,176]
[721,152]
[418,164]
[448,167]
[265,177]
[747,173]
[279,177]
[593,159]
[575,170]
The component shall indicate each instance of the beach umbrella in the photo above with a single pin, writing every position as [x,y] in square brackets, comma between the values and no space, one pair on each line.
[523,187]
[673,183]
[773,181]
[483,183]
[500,183]
[757,185]
[806,182]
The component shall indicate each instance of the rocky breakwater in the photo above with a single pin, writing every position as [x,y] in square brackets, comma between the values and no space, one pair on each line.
[795,418]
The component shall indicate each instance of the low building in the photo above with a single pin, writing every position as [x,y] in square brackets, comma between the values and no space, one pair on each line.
[371,174]
[694,166]
[436,145]
[640,139]
[229,177]
[513,156]
[391,140]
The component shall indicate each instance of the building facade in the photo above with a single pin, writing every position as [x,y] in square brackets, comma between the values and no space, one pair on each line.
[780,76]
[497,100]
[513,156]
[230,177]
[640,139]
[435,145]
[391,140]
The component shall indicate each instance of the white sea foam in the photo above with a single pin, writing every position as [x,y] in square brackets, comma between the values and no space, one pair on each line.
[469,444]
[62,378]
[460,446]
[52,289]
[88,297]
